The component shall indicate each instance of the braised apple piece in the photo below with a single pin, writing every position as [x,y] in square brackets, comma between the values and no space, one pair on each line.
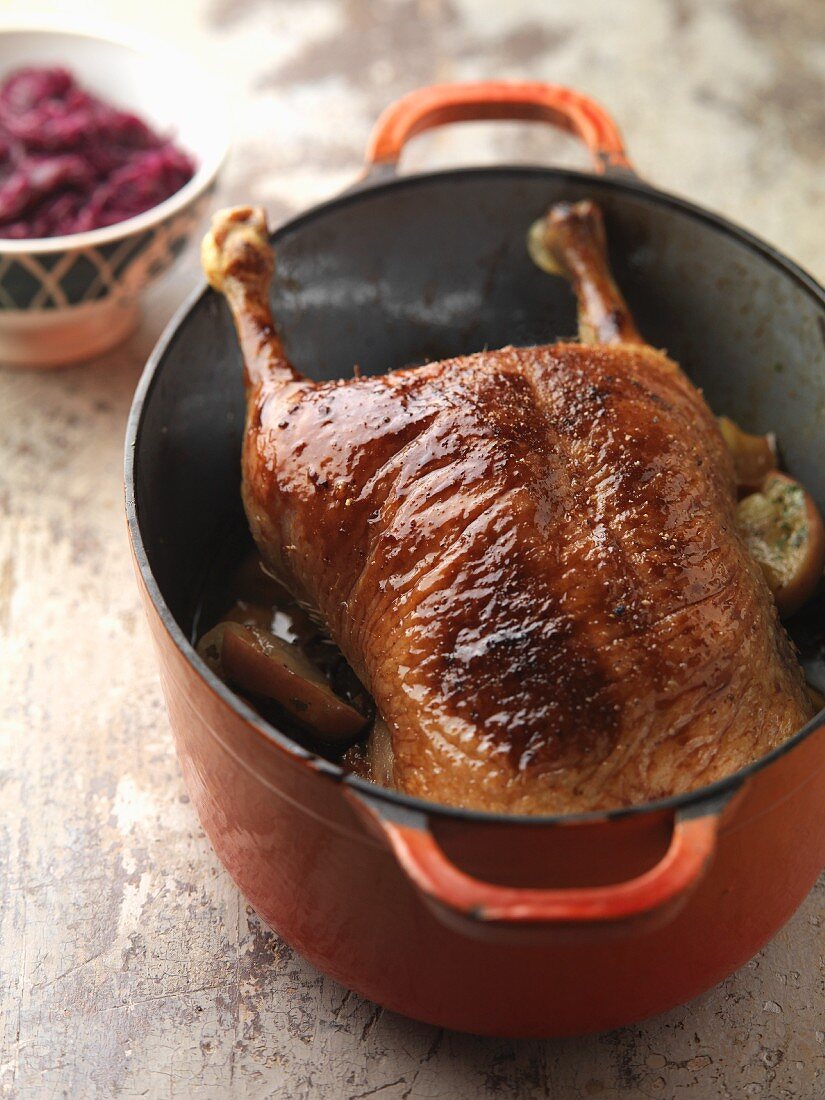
[209,649]
[784,533]
[754,456]
[262,664]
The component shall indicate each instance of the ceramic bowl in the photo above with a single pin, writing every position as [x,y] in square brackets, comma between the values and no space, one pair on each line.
[63,299]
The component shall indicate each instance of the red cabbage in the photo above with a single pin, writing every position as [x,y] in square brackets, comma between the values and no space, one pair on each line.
[70,162]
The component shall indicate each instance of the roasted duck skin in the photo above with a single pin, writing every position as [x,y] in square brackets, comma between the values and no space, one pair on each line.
[529,556]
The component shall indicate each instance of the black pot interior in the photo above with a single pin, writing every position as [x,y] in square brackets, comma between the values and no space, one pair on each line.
[435,266]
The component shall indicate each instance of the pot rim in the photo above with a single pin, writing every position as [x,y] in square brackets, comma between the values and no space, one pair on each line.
[620,181]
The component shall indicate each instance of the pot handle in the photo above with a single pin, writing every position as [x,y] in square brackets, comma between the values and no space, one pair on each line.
[440,104]
[691,849]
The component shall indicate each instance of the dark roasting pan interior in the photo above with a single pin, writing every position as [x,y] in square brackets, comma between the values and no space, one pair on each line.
[432,266]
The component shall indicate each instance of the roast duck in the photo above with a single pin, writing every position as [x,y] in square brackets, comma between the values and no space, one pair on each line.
[530,557]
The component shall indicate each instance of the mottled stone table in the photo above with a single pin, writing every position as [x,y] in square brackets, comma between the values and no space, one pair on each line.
[129,965]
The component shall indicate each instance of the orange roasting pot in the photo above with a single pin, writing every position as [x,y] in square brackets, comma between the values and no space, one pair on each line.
[482,922]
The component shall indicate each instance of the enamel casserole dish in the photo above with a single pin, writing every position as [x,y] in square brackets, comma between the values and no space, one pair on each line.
[482,922]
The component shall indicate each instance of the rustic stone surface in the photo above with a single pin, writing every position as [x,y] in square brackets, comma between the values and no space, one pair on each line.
[129,965]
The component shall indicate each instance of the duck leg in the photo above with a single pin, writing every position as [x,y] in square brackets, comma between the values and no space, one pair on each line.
[238,261]
[570,241]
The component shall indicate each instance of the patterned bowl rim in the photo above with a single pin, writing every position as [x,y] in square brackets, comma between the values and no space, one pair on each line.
[208,165]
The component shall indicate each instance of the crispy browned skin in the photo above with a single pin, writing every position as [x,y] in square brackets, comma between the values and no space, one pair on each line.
[529,556]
